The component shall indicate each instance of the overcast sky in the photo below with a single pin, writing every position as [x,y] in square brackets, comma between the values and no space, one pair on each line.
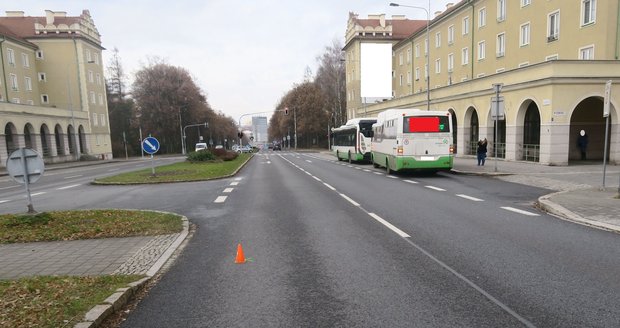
[244,54]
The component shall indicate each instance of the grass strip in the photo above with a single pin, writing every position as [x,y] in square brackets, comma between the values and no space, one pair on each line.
[54,301]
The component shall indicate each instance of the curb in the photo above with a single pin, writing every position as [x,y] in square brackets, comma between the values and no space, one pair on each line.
[563,213]
[122,296]
[489,174]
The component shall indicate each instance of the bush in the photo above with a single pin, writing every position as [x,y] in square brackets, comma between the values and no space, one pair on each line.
[201,156]
[86,157]
[225,155]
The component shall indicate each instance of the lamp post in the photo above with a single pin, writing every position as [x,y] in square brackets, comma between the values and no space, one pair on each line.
[428,49]
[184,136]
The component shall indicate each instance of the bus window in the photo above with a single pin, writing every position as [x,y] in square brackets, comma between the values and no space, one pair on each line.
[425,124]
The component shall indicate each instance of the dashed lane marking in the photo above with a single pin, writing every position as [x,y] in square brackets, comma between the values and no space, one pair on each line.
[228,190]
[220,199]
[392,177]
[470,198]
[234,183]
[516,210]
[317,179]
[73,176]
[411,181]
[309,161]
[378,173]
[389,225]
[350,200]
[38,193]
[366,170]
[435,188]
[238,179]
[4,201]
[329,186]
[68,187]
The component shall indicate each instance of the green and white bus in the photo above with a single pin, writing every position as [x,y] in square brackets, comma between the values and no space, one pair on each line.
[352,141]
[412,139]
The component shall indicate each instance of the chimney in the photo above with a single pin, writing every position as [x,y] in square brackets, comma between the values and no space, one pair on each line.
[449,5]
[60,14]
[14,13]
[437,13]
[49,17]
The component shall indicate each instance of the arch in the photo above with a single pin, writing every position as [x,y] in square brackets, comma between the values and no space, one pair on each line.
[60,142]
[29,136]
[472,125]
[588,116]
[454,129]
[528,117]
[82,138]
[10,135]
[71,139]
[44,133]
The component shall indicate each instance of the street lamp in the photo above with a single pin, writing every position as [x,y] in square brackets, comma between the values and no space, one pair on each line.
[184,136]
[428,49]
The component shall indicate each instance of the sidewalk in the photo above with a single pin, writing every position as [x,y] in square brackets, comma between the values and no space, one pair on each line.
[578,194]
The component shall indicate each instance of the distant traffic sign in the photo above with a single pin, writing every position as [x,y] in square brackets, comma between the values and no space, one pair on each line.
[150,145]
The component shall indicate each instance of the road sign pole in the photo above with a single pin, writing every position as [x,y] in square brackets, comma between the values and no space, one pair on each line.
[152,166]
[27,180]
[497,87]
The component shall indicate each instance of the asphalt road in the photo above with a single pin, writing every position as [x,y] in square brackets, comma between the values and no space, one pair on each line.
[333,244]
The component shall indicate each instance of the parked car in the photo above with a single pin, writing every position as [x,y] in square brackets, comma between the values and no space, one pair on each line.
[200,146]
[244,149]
[219,147]
[277,147]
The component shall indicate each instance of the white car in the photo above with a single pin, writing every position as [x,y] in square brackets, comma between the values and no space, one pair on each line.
[201,146]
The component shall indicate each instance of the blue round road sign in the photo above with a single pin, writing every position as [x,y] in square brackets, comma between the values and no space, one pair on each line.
[150,145]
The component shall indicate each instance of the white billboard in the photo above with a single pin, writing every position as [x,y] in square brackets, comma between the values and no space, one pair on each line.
[376,70]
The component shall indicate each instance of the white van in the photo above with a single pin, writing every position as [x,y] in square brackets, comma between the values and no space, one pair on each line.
[201,146]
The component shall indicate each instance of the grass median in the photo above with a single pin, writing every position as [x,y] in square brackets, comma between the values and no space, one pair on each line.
[179,172]
[62,301]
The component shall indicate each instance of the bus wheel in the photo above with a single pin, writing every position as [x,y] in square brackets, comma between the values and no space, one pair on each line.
[338,156]
[387,166]
[349,157]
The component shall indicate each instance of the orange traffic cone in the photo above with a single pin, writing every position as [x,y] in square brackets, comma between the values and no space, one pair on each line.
[240,257]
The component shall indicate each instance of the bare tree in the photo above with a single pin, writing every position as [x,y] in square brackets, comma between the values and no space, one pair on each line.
[331,79]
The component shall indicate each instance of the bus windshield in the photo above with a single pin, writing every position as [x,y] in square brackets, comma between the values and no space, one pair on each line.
[426,124]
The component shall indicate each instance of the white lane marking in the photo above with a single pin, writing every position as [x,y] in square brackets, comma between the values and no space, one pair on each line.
[389,225]
[435,188]
[358,168]
[349,165]
[411,181]
[10,187]
[470,198]
[234,183]
[73,176]
[67,187]
[516,210]
[366,170]
[378,173]
[238,179]
[4,201]
[220,199]
[268,162]
[227,190]
[350,200]
[329,186]
[38,193]
[317,179]
[309,161]
[392,177]
[308,173]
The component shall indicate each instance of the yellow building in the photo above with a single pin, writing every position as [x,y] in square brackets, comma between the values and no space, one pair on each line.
[553,59]
[52,87]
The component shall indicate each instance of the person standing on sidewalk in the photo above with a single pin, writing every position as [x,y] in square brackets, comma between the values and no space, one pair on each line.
[482,151]
[582,143]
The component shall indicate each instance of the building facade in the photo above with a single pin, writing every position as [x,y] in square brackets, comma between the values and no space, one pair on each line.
[259,130]
[553,59]
[52,87]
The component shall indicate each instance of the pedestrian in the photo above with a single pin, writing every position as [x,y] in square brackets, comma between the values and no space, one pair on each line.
[582,143]
[482,151]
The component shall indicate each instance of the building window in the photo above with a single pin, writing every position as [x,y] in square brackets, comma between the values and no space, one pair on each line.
[438,40]
[450,62]
[98,79]
[89,57]
[97,59]
[28,82]
[553,26]
[10,56]
[408,55]
[39,54]
[102,116]
[501,10]
[400,59]
[464,56]
[437,66]
[409,78]
[91,77]
[14,84]
[400,81]
[586,53]
[481,50]
[525,3]
[588,12]
[482,17]
[45,99]
[524,38]
[501,45]
[451,34]
[100,99]
[42,77]
[466,25]
[417,73]
[25,60]
[95,123]
[92,98]
[417,50]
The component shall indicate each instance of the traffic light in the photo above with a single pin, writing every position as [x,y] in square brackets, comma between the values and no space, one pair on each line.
[285,110]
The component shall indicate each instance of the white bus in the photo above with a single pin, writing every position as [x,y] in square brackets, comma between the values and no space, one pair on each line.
[413,139]
[352,141]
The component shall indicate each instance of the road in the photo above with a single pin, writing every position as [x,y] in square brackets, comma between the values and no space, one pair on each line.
[333,244]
